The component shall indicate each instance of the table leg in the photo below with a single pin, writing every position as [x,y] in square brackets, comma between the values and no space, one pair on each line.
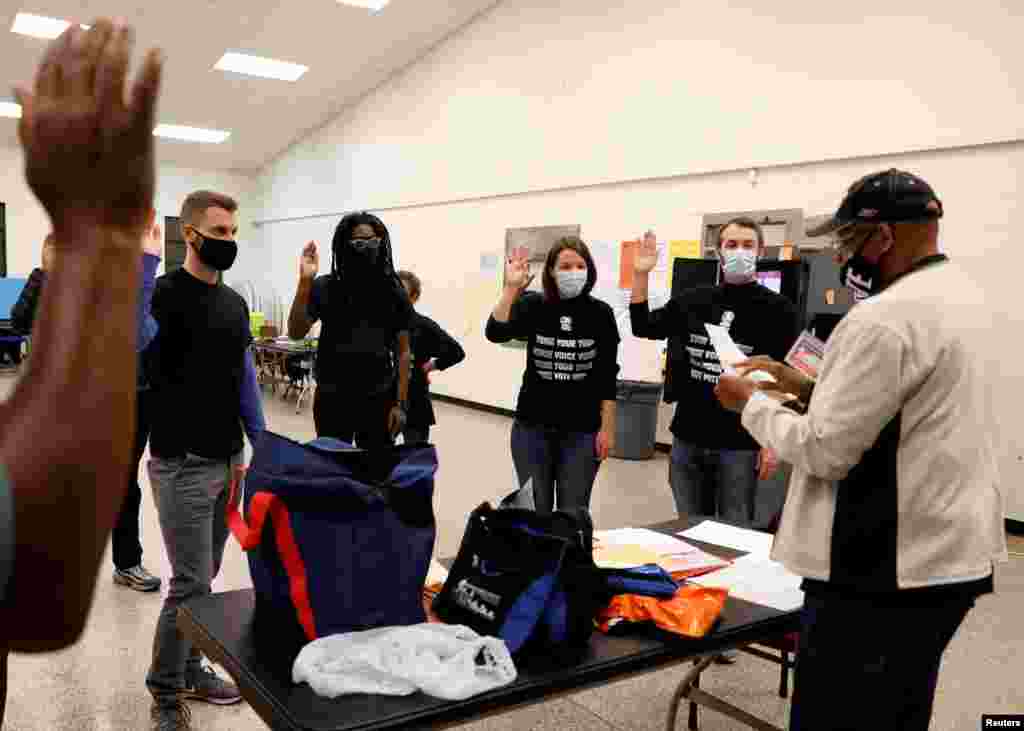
[689,689]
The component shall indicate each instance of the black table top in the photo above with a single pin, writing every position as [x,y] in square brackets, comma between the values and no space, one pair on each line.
[221,625]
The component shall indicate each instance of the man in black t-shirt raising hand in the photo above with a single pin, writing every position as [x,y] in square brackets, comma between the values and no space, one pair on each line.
[714,460]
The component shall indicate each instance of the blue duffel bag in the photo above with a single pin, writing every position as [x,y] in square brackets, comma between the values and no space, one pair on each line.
[338,539]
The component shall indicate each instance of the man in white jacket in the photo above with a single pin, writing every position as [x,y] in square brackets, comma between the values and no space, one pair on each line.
[894,516]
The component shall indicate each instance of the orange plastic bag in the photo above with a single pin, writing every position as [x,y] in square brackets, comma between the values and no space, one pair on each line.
[691,612]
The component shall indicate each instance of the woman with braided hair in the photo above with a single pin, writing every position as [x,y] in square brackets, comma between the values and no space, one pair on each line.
[363,358]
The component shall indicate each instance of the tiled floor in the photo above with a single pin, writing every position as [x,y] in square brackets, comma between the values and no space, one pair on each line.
[98,684]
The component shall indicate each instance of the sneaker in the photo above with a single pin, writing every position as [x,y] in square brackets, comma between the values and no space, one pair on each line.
[728,657]
[209,687]
[137,578]
[170,717]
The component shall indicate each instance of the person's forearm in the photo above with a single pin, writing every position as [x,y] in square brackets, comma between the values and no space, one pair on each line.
[641,285]
[450,352]
[298,319]
[503,310]
[608,417]
[147,325]
[251,402]
[67,446]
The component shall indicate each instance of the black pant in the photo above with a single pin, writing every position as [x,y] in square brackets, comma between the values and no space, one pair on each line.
[416,434]
[359,420]
[127,548]
[863,666]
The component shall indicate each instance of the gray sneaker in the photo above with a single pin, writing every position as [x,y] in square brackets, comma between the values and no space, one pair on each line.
[170,717]
[137,578]
[209,687]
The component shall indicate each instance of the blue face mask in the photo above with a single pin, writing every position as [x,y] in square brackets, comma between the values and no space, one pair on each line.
[571,283]
[739,266]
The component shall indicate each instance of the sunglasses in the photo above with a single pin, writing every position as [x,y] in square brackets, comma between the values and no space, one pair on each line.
[362,244]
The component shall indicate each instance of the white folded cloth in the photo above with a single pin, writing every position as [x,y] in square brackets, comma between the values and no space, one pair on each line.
[445,661]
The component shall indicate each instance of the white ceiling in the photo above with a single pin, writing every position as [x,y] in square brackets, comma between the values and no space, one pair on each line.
[349,51]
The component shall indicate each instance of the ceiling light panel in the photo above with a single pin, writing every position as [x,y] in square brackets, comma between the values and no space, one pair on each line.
[368,4]
[39,26]
[10,109]
[191,134]
[267,68]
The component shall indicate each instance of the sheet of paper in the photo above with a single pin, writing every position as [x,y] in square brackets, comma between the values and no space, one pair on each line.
[742,539]
[758,580]
[642,537]
[729,353]
[629,547]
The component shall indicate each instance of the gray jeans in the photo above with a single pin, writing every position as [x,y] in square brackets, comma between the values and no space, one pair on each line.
[191,497]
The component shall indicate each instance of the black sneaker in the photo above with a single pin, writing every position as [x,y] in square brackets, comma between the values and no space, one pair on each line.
[208,687]
[137,578]
[170,717]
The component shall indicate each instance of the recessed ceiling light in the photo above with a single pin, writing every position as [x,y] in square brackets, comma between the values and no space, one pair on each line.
[267,68]
[191,134]
[169,131]
[39,26]
[368,4]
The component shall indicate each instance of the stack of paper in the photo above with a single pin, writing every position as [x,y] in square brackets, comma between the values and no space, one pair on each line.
[760,581]
[629,547]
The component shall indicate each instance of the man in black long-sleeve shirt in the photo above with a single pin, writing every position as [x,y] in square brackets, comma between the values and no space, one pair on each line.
[714,459]
[432,350]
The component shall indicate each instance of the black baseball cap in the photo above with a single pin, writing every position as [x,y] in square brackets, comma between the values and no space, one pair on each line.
[891,196]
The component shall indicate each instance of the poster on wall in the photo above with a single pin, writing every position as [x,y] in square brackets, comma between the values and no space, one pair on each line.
[537,240]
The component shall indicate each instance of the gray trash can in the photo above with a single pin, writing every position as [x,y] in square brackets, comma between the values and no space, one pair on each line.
[636,419]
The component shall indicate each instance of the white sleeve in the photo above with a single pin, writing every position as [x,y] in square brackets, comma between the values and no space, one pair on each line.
[859,392]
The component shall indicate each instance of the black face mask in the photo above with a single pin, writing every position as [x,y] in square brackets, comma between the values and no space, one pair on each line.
[218,254]
[860,276]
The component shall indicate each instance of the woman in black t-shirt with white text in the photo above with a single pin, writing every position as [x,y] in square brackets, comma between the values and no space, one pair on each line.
[565,415]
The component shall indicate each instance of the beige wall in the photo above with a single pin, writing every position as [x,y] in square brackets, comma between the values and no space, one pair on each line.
[27,223]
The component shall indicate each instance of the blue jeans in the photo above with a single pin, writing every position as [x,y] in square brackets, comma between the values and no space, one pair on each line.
[858,649]
[556,459]
[720,482]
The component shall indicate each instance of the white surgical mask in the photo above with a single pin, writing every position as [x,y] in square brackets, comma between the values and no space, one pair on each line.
[739,265]
[571,283]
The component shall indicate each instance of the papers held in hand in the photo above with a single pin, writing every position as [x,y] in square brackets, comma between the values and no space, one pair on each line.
[729,354]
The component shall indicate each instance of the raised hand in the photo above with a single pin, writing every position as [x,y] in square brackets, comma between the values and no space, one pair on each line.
[517,270]
[88,144]
[646,257]
[309,264]
[153,241]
